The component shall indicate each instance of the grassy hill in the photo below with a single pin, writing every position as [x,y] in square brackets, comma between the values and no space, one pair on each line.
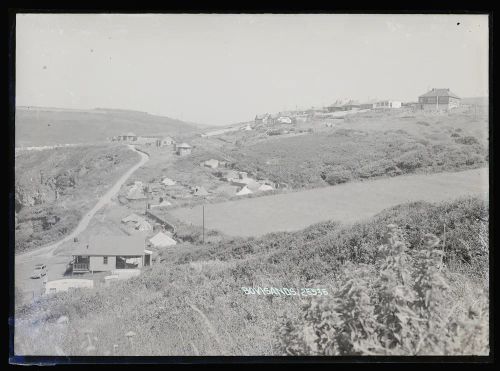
[193,304]
[49,126]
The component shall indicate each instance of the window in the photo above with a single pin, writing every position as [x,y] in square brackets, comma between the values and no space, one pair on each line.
[105,260]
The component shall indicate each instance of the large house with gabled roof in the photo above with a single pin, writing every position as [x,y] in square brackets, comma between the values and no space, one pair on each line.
[439,99]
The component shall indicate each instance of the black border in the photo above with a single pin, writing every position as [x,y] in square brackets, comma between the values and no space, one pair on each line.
[289,8]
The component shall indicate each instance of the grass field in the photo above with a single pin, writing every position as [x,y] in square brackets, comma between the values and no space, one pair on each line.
[347,202]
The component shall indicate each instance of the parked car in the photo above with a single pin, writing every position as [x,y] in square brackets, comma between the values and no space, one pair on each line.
[39,271]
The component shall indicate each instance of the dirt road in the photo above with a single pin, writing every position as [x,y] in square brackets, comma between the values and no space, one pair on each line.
[347,203]
[24,262]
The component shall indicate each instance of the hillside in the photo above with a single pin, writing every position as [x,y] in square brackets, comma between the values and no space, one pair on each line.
[195,295]
[49,126]
[54,188]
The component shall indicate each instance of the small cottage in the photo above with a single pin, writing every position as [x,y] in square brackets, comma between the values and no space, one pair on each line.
[183,149]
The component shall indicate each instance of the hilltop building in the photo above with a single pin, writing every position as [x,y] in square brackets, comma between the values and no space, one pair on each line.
[439,99]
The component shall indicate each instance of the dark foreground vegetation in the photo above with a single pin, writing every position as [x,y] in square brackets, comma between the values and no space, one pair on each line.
[412,280]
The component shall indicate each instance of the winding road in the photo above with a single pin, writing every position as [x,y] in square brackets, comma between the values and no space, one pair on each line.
[24,262]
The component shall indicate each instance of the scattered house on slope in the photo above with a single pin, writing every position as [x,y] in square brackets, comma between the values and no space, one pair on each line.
[129,137]
[163,203]
[143,226]
[183,149]
[168,182]
[136,195]
[200,191]
[263,119]
[247,128]
[265,188]
[213,164]
[106,253]
[66,284]
[439,99]
[284,120]
[244,191]
[387,104]
[162,240]
[166,141]
[132,218]
[228,175]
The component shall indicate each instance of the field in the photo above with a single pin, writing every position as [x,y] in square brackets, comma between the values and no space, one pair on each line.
[45,127]
[193,304]
[54,188]
[347,202]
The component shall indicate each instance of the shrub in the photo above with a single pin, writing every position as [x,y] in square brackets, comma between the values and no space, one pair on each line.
[338,177]
[468,140]
[412,160]
[401,306]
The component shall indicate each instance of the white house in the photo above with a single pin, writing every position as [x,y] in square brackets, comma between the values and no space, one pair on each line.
[162,240]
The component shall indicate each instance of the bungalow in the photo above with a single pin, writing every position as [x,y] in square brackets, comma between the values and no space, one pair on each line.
[106,253]
[213,164]
[438,99]
[183,149]
[129,137]
[166,141]
[168,182]
[284,120]
[262,119]
[387,104]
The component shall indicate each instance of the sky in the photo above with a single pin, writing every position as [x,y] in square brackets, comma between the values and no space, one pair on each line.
[222,69]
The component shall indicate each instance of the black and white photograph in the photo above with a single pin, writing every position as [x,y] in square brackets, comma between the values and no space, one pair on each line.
[267,185]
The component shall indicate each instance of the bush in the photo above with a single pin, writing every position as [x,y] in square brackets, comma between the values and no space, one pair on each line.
[468,140]
[412,160]
[400,306]
[338,177]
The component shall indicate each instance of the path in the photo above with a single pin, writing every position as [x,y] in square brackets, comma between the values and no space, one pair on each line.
[25,262]
[350,202]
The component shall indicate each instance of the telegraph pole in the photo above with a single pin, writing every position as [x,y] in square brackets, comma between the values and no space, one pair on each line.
[203,224]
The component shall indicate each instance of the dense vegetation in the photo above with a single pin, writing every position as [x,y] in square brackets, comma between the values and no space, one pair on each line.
[345,154]
[192,303]
[53,188]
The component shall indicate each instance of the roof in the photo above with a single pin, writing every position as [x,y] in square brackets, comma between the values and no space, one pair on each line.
[162,240]
[440,93]
[168,181]
[266,187]
[136,195]
[183,145]
[200,191]
[143,225]
[132,218]
[244,191]
[112,246]
[130,134]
